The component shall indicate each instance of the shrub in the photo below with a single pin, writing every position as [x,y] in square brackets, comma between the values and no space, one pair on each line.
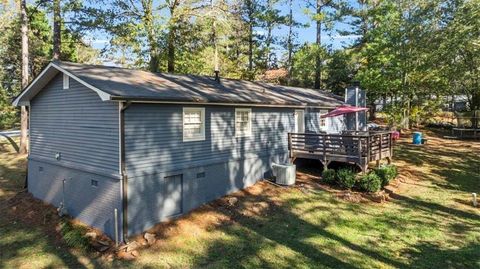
[370,182]
[386,173]
[328,176]
[346,178]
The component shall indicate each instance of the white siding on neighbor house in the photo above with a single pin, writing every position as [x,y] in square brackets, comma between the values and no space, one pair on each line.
[76,123]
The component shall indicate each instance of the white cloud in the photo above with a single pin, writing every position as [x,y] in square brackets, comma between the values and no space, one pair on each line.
[346,36]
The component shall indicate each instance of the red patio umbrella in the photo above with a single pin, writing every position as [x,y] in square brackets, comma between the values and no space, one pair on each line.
[341,110]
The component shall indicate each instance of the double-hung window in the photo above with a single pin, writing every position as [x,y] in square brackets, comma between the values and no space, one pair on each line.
[243,122]
[193,123]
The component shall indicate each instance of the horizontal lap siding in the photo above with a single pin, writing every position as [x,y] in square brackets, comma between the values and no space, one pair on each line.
[219,165]
[76,123]
[333,124]
[153,135]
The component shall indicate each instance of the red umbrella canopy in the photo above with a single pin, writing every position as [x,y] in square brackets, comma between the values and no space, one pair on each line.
[341,110]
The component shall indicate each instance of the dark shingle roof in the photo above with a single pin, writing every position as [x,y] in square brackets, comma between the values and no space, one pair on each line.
[129,84]
[114,83]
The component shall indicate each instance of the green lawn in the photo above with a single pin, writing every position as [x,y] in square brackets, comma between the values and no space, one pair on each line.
[428,223]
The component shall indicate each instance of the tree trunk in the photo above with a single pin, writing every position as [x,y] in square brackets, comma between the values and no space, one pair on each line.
[290,40]
[250,12]
[171,39]
[24,114]
[318,59]
[475,107]
[57,38]
[250,47]
[151,39]
[171,50]
[268,39]
[268,43]
[154,60]
[373,111]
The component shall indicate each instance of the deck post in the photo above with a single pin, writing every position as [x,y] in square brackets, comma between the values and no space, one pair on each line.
[390,144]
[381,141]
[369,148]
[290,154]
[359,141]
[324,144]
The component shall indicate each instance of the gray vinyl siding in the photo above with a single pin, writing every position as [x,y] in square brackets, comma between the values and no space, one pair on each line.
[312,120]
[336,125]
[92,205]
[77,124]
[153,137]
[333,124]
[209,169]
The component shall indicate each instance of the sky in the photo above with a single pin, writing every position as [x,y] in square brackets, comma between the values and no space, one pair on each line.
[304,34]
[308,34]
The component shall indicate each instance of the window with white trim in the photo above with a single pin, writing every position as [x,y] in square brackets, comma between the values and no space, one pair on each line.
[323,121]
[193,123]
[243,122]
[66,81]
[299,115]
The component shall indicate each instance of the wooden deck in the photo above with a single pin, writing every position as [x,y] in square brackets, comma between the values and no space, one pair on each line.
[358,148]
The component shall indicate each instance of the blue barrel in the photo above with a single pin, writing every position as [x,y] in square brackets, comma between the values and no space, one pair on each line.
[417,138]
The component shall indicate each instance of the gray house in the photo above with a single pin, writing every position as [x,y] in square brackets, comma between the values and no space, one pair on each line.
[154,146]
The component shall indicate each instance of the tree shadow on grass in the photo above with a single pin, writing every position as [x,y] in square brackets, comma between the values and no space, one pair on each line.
[428,255]
[433,207]
[276,226]
[27,242]
[30,234]
[455,169]
[462,180]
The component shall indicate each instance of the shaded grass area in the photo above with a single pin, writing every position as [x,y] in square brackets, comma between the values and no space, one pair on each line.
[429,223]
[28,233]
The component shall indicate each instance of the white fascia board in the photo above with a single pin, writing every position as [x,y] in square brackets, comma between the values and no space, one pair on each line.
[19,102]
[103,95]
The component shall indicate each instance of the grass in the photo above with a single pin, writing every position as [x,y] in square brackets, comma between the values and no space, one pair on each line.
[428,223]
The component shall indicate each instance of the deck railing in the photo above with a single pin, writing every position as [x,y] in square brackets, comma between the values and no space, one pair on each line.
[353,147]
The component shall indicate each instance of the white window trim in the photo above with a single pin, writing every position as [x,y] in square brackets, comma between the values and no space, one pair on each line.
[66,82]
[325,127]
[200,137]
[249,131]
[302,113]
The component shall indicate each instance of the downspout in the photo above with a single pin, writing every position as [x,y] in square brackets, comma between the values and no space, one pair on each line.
[123,171]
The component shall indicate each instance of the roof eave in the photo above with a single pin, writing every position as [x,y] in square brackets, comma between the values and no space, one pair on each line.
[186,102]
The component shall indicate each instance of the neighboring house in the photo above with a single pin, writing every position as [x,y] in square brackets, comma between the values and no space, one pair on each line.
[154,146]
[458,103]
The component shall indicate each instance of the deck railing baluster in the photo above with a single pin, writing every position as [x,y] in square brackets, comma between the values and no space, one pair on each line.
[359,149]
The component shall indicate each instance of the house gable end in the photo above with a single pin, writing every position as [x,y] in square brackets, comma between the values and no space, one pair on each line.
[42,80]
